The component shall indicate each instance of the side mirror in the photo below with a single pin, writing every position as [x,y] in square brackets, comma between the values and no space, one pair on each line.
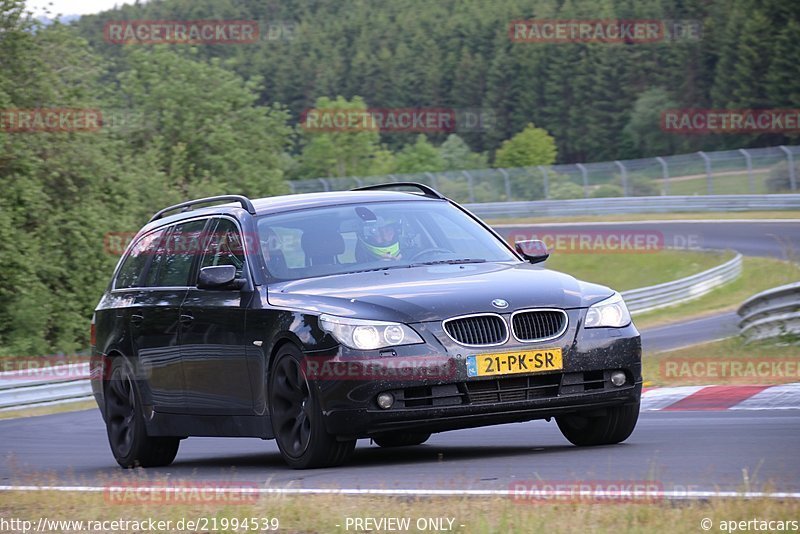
[219,277]
[533,250]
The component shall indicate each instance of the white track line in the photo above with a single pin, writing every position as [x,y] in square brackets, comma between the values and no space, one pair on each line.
[669,495]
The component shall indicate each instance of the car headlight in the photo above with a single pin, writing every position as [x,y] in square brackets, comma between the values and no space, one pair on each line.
[609,312]
[368,335]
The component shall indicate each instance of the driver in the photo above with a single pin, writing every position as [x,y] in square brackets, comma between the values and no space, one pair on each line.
[379,239]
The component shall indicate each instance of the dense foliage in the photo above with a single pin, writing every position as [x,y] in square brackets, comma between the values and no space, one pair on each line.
[184,121]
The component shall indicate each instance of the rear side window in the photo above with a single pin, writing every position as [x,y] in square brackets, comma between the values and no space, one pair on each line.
[137,260]
[175,258]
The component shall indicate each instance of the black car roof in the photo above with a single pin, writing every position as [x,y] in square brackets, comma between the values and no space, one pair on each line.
[283,203]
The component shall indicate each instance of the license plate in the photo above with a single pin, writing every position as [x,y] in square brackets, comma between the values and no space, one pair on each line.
[518,362]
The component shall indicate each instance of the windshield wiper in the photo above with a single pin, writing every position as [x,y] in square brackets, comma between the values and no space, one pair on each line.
[374,269]
[450,262]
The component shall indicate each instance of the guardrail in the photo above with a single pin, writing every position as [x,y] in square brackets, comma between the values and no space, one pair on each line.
[52,385]
[623,205]
[678,291]
[71,383]
[771,313]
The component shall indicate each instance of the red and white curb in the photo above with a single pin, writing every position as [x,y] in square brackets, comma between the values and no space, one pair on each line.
[714,398]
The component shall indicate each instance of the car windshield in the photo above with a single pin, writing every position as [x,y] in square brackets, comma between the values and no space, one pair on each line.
[374,236]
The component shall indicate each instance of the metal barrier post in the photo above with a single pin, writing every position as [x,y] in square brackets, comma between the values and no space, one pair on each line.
[434,180]
[792,177]
[470,186]
[546,182]
[664,176]
[751,183]
[624,172]
[507,184]
[709,177]
[585,175]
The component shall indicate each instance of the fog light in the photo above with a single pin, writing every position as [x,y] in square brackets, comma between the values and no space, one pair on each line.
[385,400]
[618,378]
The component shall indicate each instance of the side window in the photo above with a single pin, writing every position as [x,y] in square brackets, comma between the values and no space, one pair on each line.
[179,251]
[224,246]
[137,260]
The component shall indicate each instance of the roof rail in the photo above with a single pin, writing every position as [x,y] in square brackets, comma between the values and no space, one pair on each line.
[424,189]
[187,206]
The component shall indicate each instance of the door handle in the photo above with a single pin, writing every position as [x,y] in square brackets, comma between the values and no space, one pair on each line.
[136,319]
[186,318]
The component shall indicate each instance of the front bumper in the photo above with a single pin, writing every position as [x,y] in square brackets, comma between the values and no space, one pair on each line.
[446,398]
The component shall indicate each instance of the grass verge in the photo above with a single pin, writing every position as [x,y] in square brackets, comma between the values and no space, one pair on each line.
[758,274]
[47,410]
[726,362]
[329,513]
[630,271]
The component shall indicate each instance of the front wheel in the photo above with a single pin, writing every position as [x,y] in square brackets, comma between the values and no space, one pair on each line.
[297,418]
[588,430]
[127,435]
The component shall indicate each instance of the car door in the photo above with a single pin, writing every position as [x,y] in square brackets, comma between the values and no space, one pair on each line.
[212,336]
[151,318]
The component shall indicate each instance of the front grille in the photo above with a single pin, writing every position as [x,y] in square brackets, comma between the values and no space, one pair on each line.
[513,389]
[504,389]
[536,325]
[477,330]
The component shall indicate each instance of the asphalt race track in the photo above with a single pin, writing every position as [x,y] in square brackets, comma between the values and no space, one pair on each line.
[766,238]
[692,332]
[683,451]
[699,451]
[761,238]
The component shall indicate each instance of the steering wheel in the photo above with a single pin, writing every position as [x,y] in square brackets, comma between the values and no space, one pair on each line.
[429,251]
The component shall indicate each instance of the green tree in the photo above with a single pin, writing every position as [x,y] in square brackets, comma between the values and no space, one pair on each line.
[331,150]
[456,155]
[421,156]
[532,146]
[644,131]
[204,124]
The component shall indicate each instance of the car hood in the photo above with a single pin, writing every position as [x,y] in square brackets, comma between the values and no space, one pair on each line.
[431,293]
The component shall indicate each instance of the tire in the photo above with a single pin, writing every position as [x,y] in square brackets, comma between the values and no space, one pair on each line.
[586,430]
[401,439]
[127,435]
[297,418]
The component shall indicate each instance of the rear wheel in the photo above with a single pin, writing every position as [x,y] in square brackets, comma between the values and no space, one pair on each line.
[401,439]
[297,418]
[587,430]
[125,426]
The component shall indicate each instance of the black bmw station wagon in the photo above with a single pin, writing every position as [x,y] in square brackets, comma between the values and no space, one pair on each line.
[388,312]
